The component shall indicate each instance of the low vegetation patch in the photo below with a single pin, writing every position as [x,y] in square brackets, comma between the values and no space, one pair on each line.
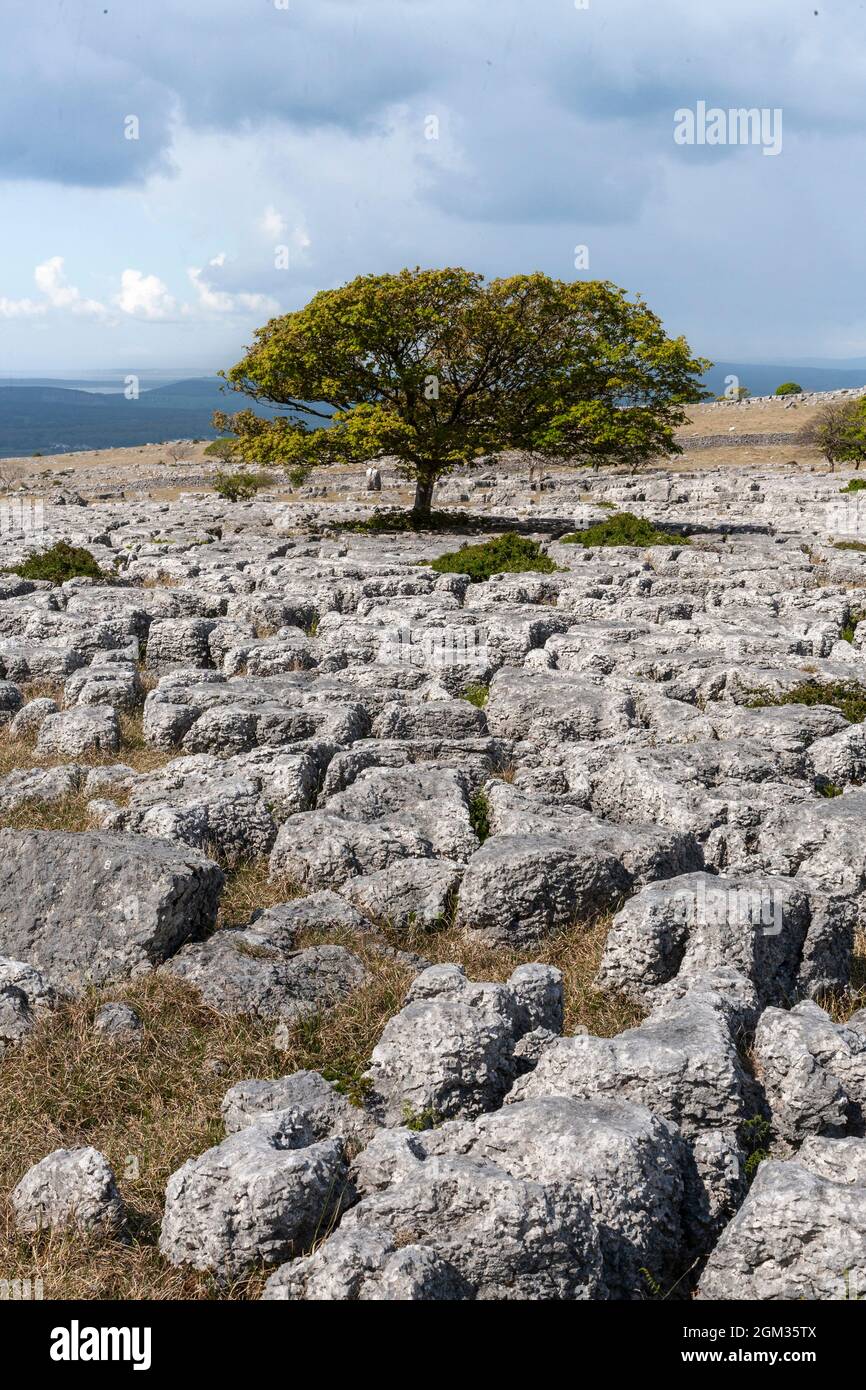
[477,694]
[479,815]
[150,1107]
[240,487]
[849,545]
[399,520]
[855,485]
[508,554]
[60,562]
[849,627]
[623,529]
[849,697]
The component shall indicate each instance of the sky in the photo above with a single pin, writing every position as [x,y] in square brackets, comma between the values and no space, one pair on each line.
[174,173]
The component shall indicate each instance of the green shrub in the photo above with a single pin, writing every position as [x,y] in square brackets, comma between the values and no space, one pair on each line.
[755,1135]
[508,554]
[849,697]
[849,545]
[623,529]
[224,448]
[828,789]
[479,815]
[789,388]
[60,562]
[240,487]
[850,626]
[396,520]
[477,694]
[855,485]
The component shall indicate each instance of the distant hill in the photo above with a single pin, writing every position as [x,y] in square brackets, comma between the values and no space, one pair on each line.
[43,418]
[762,380]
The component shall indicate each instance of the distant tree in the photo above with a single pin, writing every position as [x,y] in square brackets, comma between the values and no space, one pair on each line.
[839,431]
[789,388]
[224,449]
[240,487]
[438,369]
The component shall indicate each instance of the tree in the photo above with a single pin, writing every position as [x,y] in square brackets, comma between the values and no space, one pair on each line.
[437,369]
[839,431]
[789,388]
[224,449]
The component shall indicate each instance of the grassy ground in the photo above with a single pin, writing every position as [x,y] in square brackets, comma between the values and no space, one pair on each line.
[150,1107]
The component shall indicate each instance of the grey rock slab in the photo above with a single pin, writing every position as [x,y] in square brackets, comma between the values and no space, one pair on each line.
[318,1102]
[410,891]
[261,1196]
[813,1072]
[84,729]
[501,1237]
[681,1063]
[25,995]
[69,1187]
[237,975]
[758,925]
[801,1232]
[93,907]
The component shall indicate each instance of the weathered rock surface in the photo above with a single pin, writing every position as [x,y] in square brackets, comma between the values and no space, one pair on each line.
[93,907]
[801,1232]
[263,1195]
[70,1187]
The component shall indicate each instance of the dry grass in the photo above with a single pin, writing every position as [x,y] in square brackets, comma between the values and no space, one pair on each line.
[841,1007]
[150,1107]
[248,887]
[21,755]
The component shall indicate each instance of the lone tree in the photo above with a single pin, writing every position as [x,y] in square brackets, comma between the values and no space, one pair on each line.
[789,388]
[839,431]
[438,369]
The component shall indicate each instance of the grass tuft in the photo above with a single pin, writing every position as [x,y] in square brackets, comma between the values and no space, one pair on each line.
[59,563]
[508,554]
[849,697]
[623,529]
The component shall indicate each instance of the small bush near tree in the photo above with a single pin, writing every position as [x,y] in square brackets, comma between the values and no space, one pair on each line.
[623,529]
[60,562]
[839,431]
[508,554]
[225,448]
[240,487]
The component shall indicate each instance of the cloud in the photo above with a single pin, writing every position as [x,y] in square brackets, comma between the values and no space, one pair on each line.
[219,301]
[51,280]
[144,296]
[273,224]
[56,294]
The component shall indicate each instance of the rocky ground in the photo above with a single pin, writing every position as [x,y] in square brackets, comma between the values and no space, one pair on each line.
[368,933]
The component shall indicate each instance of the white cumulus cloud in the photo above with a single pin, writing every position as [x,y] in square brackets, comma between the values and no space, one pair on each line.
[51,280]
[144,296]
[218,301]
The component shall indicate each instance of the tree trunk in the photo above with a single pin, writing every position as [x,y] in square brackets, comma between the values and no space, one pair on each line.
[424,485]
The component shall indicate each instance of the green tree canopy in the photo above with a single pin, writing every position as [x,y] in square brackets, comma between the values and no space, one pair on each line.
[789,388]
[839,431]
[438,368]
